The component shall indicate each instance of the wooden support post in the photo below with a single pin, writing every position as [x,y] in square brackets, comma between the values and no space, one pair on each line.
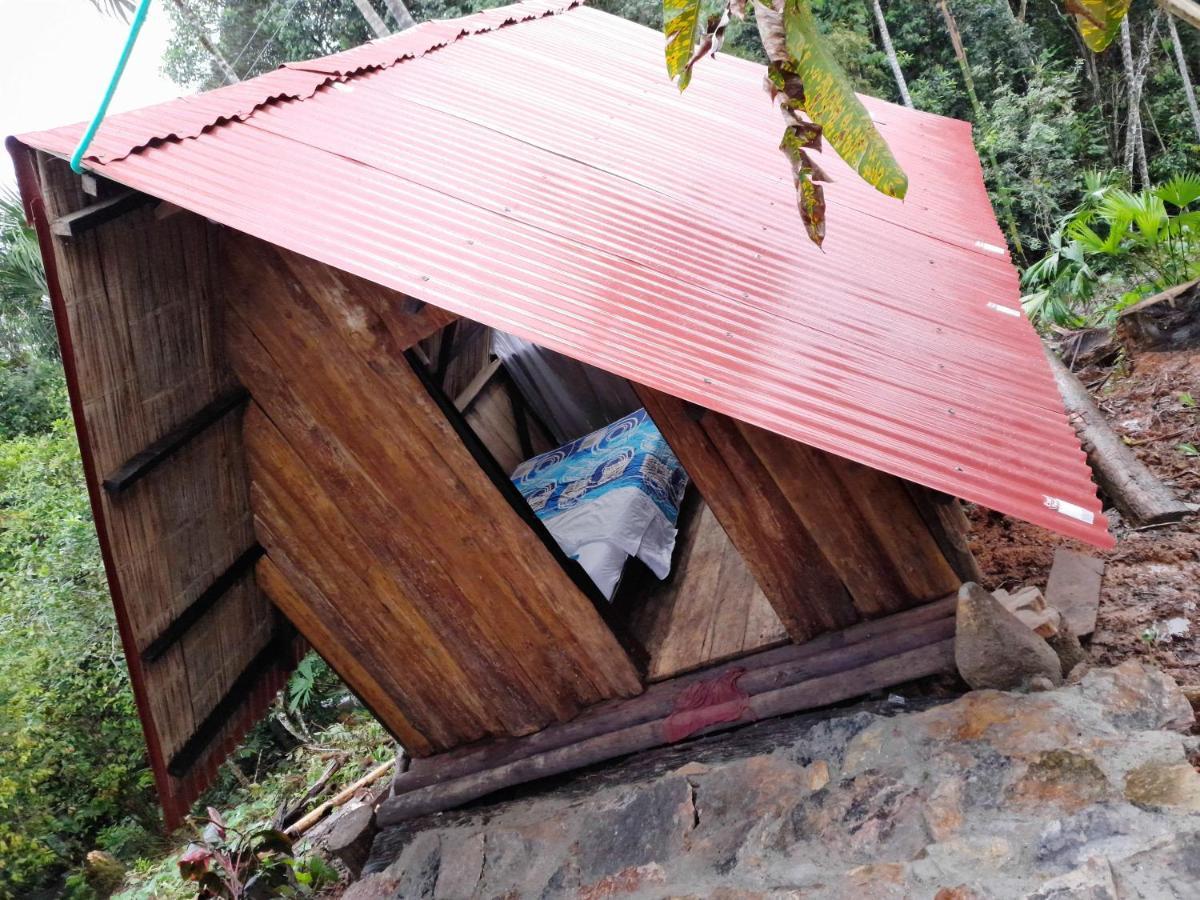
[76,223]
[445,355]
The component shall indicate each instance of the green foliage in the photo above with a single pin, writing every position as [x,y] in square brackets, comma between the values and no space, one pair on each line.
[1115,248]
[74,776]
[1098,20]
[313,686]
[253,806]
[681,25]
[33,396]
[819,100]
[26,325]
[1037,137]
[232,864]
[830,102]
[259,35]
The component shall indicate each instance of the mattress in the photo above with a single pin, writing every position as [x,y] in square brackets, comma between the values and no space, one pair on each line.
[608,496]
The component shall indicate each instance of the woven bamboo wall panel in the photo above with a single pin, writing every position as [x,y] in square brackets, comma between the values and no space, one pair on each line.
[139,320]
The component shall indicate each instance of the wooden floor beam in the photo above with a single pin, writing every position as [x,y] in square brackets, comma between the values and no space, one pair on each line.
[829,669]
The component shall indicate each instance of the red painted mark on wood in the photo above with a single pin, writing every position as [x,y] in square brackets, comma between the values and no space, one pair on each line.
[707,703]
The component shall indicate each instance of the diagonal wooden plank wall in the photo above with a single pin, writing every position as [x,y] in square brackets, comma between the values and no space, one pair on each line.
[829,541]
[387,545]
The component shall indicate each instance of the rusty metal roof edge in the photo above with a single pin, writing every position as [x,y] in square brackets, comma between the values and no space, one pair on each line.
[321,76]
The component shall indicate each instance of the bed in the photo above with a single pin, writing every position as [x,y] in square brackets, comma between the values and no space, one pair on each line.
[608,496]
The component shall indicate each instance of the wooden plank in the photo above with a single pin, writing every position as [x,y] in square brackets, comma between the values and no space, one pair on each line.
[710,609]
[1074,589]
[904,544]
[768,670]
[83,220]
[202,604]
[635,737]
[802,586]
[829,541]
[299,521]
[293,457]
[948,524]
[523,587]
[468,394]
[308,610]
[145,461]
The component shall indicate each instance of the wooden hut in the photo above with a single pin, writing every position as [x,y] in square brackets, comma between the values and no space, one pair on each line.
[279,305]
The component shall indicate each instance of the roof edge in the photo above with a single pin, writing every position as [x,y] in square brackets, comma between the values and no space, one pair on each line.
[199,113]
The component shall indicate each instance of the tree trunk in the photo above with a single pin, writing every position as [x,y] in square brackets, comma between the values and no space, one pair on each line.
[886,37]
[375,23]
[960,53]
[964,65]
[400,14]
[1135,79]
[1181,61]
[193,20]
[1140,496]
[1133,116]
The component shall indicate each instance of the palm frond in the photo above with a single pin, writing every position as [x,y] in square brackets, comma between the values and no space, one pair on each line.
[1181,190]
[121,9]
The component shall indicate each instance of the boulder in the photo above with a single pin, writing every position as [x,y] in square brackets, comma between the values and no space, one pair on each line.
[995,649]
[1070,651]
[1072,793]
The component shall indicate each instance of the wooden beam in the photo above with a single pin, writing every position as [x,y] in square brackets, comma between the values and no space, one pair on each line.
[274,655]
[772,685]
[202,604]
[948,524]
[423,540]
[145,461]
[446,349]
[84,220]
[509,491]
[805,591]
[466,398]
[1185,10]
[828,654]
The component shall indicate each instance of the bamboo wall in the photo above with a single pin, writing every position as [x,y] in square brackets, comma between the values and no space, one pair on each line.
[139,321]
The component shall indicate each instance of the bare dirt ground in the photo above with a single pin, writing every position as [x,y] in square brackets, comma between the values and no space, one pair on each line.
[1152,575]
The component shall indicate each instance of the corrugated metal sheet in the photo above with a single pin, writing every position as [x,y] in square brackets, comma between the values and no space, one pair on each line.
[547,179]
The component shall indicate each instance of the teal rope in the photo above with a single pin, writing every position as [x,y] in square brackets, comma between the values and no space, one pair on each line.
[138,18]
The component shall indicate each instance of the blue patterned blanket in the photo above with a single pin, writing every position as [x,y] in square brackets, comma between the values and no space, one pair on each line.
[630,452]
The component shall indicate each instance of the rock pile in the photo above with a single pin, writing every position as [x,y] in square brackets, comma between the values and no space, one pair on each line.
[1085,791]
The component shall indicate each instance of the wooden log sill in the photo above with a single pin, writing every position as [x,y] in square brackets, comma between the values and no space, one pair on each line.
[826,670]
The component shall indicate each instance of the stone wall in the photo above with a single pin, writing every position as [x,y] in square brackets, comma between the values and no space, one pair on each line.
[1085,791]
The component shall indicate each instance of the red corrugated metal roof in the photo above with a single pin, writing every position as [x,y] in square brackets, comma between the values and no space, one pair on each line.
[547,179]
